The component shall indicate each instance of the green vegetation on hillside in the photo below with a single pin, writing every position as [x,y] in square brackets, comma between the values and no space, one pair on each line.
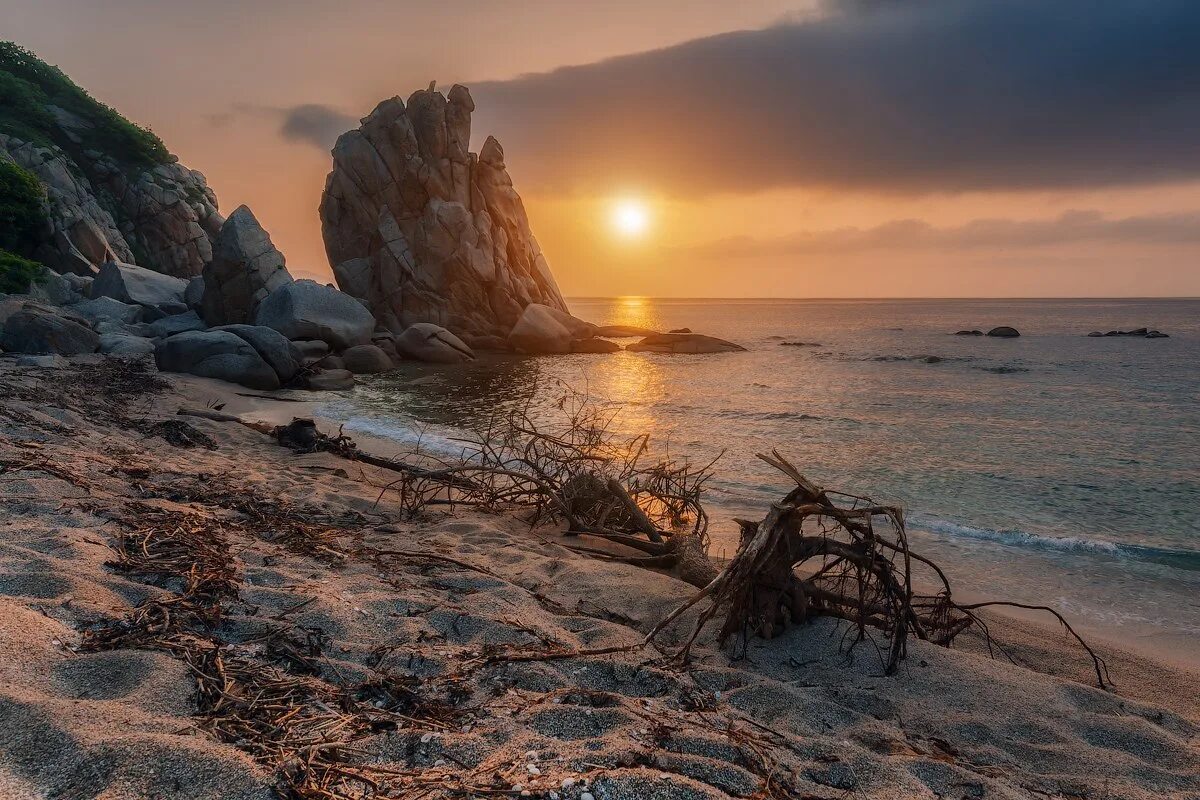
[28,86]
[22,217]
[16,273]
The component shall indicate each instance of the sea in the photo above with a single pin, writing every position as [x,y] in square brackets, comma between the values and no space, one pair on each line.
[1053,468]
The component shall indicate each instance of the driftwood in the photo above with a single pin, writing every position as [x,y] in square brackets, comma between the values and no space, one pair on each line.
[817,552]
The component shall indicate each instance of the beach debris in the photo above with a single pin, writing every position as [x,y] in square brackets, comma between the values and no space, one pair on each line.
[180,434]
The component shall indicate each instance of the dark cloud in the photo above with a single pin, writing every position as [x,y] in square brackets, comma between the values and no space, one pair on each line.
[1072,227]
[310,123]
[314,124]
[896,96]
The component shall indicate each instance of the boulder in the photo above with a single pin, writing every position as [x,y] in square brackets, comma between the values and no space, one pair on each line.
[50,287]
[367,359]
[331,362]
[539,331]
[311,349]
[424,231]
[387,343]
[82,284]
[425,341]
[216,354]
[139,286]
[106,308]
[1158,335]
[307,310]
[193,295]
[283,356]
[329,380]
[969,333]
[1004,332]
[594,346]
[683,343]
[124,328]
[35,328]
[123,344]
[680,330]
[177,323]
[245,268]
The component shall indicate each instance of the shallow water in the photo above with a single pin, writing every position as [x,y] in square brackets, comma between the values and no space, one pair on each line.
[1050,468]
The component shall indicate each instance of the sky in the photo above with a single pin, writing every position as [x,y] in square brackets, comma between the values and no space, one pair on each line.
[773,148]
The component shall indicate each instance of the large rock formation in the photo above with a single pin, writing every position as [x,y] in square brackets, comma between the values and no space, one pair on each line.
[246,267]
[422,230]
[112,190]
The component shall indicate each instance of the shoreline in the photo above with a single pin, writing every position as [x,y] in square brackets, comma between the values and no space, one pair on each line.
[1175,648]
[797,709]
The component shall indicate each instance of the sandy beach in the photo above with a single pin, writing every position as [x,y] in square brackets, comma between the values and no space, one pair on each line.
[331,641]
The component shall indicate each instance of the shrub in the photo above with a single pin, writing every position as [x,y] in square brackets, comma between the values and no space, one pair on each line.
[16,273]
[29,85]
[21,213]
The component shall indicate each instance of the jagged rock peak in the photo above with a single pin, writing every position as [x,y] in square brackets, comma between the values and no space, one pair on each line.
[422,230]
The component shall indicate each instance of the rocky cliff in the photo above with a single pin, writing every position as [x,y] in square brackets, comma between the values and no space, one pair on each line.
[110,190]
[423,230]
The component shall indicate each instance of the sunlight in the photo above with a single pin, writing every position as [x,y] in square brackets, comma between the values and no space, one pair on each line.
[630,218]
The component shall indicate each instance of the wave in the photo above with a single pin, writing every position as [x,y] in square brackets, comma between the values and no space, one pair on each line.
[1179,559]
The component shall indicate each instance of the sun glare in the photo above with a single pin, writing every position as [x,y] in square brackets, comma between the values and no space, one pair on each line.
[630,218]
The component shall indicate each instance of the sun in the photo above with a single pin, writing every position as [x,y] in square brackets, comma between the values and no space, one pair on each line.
[630,218]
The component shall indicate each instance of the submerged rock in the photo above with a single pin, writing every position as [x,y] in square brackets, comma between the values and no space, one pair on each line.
[1004,332]
[683,343]
[308,310]
[424,231]
[1140,333]
[969,333]
[594,346]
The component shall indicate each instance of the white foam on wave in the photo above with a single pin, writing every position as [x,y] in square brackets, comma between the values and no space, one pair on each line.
[429,439]
[1017,538]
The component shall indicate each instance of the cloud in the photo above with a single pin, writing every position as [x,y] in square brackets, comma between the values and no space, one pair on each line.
[926,95]
[315,124]
[1072,227]
[309,123]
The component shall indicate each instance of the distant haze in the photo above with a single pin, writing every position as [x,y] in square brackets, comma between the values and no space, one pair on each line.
[801,149]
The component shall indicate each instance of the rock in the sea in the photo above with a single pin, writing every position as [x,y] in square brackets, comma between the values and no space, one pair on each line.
[124,344]
[680,330]
[969,333]
[543,330]
[216,354]
[330,380]
[1139,333]
[683,343]
[245,268]
[422,230]
[308,310]
[1158,335]
[1004,332]
[139,286]
[594,346]
[177,323]
[425,341]
[623,331]
[273,346]
[35,328]
[366,359]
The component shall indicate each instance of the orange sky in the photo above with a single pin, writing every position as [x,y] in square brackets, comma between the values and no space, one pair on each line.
[211,77]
